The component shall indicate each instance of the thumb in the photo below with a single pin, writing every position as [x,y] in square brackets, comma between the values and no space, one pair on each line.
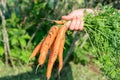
[67,17]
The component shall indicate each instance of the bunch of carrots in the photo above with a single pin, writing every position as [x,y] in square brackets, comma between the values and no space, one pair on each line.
[54,41]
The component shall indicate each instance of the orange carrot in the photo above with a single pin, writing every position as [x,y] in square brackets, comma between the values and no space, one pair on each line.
[47,44]
[36,50]
[50,63]
[60,22]
[54,51]
[60,54]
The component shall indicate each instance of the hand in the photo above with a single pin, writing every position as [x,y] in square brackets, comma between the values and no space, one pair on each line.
[75,19]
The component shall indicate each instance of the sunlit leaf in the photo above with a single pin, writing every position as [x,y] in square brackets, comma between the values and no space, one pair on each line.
[1,50]
[22,42]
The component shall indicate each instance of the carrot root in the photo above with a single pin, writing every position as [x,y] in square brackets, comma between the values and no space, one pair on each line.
[54,51]
[60,54]
[47,44]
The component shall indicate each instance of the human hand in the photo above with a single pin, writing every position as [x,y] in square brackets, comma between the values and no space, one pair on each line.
[75,19]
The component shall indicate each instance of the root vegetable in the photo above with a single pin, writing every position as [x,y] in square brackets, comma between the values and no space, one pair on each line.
[47,44]
[54,51]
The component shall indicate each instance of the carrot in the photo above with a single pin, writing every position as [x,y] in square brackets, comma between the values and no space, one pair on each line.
[47,43]
[54,51]
[36,50]
[50,65]
[60,22]
[60,55]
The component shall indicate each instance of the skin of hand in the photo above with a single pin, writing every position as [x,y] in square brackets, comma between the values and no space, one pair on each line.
[75,19]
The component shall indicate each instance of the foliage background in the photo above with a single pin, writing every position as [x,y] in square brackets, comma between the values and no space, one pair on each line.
[26,27]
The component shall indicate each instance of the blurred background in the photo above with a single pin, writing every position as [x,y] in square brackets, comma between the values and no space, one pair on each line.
[91,54]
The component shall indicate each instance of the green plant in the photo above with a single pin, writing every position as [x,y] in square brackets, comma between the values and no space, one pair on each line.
[103,41]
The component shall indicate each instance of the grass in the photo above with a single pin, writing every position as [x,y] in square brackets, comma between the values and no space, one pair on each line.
[70,72]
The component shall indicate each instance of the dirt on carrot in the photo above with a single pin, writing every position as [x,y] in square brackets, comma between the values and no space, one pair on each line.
[54,52]
[47,44]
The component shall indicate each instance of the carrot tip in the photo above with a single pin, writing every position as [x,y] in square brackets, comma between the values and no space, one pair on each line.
[37,68]
[58,75]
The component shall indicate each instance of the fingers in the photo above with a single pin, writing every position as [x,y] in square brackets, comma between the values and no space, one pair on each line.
[81,25]
[73,24]
[68,17]
[76,20]
[77,23]
[68,24]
